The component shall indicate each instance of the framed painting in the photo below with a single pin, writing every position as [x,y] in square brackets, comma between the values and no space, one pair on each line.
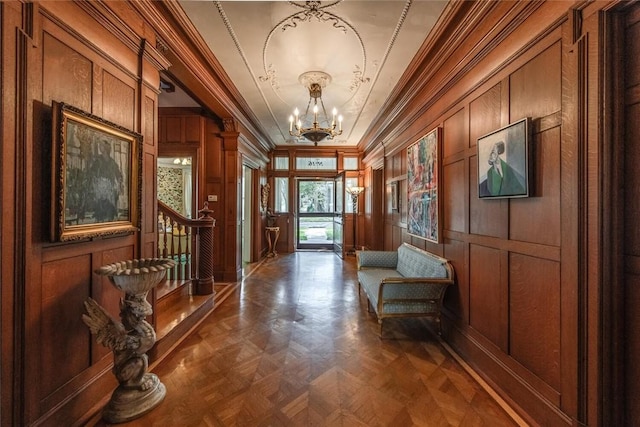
[394,195]
[503,162]
[423,171]
[96,176]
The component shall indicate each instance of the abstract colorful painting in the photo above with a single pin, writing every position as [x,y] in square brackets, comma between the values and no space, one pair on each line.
[423,165]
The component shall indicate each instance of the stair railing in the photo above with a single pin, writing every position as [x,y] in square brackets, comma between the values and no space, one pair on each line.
[189,242]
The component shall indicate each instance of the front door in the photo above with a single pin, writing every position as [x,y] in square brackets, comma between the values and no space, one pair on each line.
[316,207]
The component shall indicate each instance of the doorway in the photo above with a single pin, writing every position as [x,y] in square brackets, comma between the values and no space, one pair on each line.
[247,209]
[175,184]
[316,212]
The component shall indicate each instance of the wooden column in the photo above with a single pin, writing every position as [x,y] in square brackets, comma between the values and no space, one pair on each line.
[232,177]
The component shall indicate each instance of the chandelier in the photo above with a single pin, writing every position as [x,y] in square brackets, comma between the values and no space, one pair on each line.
[321,128]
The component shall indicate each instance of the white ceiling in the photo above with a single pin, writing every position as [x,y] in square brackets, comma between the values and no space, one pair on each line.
[264,46]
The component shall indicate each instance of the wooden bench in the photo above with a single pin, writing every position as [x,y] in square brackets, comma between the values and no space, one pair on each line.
[408,282]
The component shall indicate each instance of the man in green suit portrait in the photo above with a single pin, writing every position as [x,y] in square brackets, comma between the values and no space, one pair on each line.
[502,179]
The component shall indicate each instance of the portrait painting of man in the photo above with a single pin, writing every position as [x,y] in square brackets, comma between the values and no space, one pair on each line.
[503,162]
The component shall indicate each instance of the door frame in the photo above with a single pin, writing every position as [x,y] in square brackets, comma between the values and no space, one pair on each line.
[338,219]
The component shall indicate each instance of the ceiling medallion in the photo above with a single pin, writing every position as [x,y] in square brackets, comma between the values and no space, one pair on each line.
[320,12]
[321,128]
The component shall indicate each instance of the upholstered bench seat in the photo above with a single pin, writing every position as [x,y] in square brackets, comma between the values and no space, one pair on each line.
[402,283]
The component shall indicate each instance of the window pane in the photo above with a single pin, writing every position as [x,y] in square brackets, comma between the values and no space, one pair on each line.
[281,195]
[281,163]
[316,196]
[349,182]
[316,163]
[350,163]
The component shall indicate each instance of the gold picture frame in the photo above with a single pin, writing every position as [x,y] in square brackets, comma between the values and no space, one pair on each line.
[96,176]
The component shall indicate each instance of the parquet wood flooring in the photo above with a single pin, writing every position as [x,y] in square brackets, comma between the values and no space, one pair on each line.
[294,345]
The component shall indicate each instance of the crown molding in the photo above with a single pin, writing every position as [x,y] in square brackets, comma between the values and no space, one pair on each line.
[186,45]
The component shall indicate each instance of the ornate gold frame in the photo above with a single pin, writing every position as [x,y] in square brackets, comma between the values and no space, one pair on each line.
[96,176]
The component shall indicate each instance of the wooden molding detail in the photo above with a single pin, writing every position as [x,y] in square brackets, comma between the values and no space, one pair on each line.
[375,156]
[230,125]
[22,192]
[109,20]
[254,158]
[186,44]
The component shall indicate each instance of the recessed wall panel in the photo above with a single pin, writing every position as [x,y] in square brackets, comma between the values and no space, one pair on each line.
[457,296]
[485,285]
[192,129]
[454,198]
[536,219]
[484,114]
[488,217]
[632,181]
[66,75]
[118,101]
[65,339]
[534,315]
[149,121]
[454,134]
[535,89]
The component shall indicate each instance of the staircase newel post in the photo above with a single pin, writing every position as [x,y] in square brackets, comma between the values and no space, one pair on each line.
[203,283]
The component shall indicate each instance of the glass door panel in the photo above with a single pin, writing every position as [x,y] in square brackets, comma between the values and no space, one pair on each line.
[316,206]
[338,235]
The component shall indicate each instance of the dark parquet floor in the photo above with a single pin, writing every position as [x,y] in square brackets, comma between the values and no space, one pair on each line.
[294,345]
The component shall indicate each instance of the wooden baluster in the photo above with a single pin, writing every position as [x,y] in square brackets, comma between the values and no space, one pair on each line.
[180,252]
[163,236]
[159,225]
[187,253]
[173,249]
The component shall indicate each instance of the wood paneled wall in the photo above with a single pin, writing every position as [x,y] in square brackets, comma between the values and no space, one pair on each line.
[59,372]
[523,311]
[629,336]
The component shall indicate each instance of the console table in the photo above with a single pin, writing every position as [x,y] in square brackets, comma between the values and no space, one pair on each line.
[272,245]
